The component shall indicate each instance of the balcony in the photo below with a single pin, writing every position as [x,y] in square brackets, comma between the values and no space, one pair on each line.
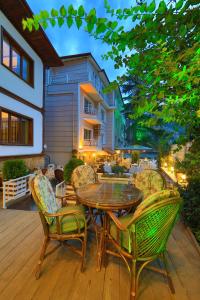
[90,110]
[91,142]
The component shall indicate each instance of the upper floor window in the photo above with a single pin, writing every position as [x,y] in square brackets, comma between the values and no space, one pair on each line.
[15,129]
[88,107]
[15,59]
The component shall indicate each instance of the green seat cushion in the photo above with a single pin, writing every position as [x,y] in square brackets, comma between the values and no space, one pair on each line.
[122,237]
[69,223]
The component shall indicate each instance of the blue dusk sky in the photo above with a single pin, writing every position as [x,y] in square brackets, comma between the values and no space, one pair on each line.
[73,41]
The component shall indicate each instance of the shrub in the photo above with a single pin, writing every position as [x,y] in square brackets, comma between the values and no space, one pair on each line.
[70,166]
[118,169]
[191,205]
[14,168]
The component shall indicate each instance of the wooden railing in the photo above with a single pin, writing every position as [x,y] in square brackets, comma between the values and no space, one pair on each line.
[15,188]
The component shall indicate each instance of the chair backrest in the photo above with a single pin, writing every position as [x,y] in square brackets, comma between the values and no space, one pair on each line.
[150,182]
[83,175]
[151,229]
[156,198]
[44,196]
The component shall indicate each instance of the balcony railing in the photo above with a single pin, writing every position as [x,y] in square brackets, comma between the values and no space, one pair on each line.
[91,142]
[90,111]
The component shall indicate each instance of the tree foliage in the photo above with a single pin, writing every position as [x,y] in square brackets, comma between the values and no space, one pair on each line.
[157,43]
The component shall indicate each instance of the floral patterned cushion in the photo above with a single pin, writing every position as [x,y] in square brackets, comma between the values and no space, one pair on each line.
[150,182]
[83,175]
[46,198]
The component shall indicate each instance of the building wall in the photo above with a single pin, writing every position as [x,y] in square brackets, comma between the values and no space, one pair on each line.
[10,81]
[33,95]
[110,130]
[61,121]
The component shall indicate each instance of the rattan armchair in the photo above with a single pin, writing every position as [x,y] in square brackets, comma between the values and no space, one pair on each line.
[83,175]
[141,237]
[59,223]
[149,181]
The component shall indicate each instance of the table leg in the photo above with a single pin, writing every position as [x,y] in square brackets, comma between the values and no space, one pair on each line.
[101,250]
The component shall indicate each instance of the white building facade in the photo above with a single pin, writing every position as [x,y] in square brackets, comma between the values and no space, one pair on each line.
[21,84]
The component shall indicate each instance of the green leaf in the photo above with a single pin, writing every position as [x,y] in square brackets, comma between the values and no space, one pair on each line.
[54,13]
[63,11]
[60,21]
[101,28]
[44,14]
[69,21]
[81,11]
[78,22]
[179,4]
[92,12]
[152,6]
[53,22]
[162,8]
[114,24]
[90,27]
[71,10]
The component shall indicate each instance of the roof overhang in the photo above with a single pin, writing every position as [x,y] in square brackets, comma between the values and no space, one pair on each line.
[92,121]
[15,11]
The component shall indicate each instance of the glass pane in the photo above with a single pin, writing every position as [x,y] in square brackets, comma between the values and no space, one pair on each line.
[15,61]
[4,127]
[87,134]
[15,130]
[25,125]
[25,69]
[6,52]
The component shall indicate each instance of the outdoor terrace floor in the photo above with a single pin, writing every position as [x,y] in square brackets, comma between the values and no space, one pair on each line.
[20,241]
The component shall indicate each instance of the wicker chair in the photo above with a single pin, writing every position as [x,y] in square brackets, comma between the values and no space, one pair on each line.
[59,223]
[141,237]
[82,176]
[150,182]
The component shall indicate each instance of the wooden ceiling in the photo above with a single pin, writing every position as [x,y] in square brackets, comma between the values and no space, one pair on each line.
[15,11]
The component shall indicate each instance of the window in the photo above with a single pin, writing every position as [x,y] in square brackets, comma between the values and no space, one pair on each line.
[15,59]
[15,129]
[87,134]
[88,107]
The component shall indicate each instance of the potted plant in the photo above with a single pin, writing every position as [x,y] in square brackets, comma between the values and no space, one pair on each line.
[69,168]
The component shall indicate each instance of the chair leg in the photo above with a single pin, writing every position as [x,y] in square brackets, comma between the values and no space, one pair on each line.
[133,281]
[84,243]
[42,256]
[170,283]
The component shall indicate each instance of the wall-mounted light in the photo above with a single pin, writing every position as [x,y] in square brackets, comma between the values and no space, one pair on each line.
[45,146]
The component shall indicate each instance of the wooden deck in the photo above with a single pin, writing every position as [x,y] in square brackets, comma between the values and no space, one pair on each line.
[20,241]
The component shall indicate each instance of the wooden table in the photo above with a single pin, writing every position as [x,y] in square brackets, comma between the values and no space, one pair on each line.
[108,197]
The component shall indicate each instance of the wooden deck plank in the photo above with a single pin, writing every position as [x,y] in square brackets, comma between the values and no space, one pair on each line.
[61,278]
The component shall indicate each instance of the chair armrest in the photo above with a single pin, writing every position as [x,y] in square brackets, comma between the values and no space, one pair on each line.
[62,214]
[116,221]
[65,198]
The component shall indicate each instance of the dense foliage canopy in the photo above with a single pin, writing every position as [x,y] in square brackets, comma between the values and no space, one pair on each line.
[157,43]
